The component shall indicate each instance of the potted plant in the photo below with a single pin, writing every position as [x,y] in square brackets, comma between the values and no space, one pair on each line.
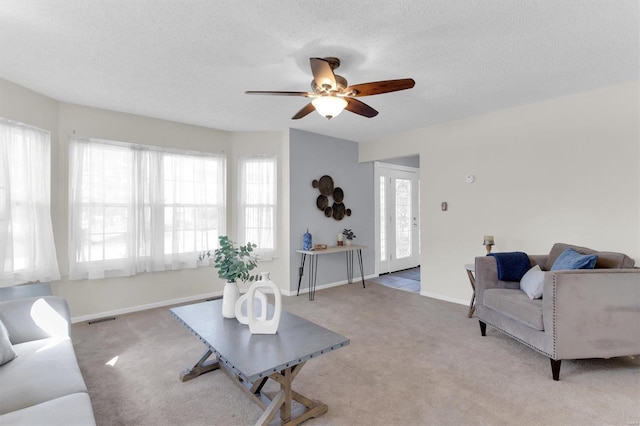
[233,263]
[349,235]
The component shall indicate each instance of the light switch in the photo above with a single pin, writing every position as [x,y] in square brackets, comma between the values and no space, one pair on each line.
[444,206]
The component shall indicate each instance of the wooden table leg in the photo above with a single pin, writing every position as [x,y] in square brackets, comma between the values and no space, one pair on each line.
[200,367]
[282,401]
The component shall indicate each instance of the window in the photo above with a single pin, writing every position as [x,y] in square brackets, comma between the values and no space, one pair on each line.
[27,249]
[257,191]
[383,218]
[136,208]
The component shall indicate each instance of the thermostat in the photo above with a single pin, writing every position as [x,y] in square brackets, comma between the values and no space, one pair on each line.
[470,179]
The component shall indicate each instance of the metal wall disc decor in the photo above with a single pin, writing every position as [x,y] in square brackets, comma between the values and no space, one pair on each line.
[337,209]
[338,195]
[322,202]
[325,185]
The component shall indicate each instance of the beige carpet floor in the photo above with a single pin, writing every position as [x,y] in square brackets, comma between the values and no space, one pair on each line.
[412,361]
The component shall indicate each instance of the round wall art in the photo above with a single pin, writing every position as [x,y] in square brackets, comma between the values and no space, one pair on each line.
[337,209]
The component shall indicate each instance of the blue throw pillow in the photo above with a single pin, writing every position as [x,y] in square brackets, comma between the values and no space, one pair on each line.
[571,259]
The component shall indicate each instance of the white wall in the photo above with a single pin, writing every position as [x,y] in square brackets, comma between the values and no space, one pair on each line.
[95,298]
[24,105]
[566,169]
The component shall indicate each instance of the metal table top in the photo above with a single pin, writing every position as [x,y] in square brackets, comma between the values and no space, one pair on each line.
[254,356]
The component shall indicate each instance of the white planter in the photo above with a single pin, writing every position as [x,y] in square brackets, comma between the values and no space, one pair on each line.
[349,242]
[230,297]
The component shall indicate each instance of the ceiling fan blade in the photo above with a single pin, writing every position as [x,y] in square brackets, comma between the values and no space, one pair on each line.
[378,87]
[260,92]
[360,108]
[309,108]
[323,74]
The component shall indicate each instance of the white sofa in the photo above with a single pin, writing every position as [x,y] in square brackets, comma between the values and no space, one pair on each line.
[43,384]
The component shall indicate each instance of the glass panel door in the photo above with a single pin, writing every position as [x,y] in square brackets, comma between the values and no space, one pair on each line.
[403,226]
[397,219]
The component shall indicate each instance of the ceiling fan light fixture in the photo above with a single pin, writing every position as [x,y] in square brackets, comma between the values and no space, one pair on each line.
[329,106]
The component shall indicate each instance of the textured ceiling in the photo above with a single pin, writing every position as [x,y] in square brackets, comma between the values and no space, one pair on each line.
[191,60]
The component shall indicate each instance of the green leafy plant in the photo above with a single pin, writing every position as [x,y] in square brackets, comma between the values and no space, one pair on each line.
[233,262]
[349,234]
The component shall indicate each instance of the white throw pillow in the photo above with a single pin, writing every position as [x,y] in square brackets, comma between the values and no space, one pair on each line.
[6,349]
[532,282]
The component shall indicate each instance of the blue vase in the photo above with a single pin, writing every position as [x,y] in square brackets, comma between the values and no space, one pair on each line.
[306,241]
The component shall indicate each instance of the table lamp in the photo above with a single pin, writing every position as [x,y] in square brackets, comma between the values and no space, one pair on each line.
[488,242]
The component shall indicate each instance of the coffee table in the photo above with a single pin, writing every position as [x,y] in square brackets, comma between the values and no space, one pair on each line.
[250,360]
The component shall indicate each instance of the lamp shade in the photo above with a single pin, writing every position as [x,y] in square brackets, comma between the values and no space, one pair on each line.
[329,106]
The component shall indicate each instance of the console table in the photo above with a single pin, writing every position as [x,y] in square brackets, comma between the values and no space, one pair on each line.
[313,264]
[250,360]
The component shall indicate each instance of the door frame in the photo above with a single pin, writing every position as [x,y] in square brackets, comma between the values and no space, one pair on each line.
[378,167]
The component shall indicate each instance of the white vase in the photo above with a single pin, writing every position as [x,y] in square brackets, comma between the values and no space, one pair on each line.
[230,296]
[349,242]
[263,325]
[241,314]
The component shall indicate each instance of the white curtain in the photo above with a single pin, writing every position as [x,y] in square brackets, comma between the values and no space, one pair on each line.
[27,249]
[257,198]
[136,208]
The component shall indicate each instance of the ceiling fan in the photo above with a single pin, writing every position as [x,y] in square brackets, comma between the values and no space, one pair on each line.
[331,94]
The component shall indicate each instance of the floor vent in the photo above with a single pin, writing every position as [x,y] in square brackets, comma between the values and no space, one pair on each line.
[96,321]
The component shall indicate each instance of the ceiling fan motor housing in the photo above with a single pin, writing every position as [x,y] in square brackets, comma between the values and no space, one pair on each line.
[341,84]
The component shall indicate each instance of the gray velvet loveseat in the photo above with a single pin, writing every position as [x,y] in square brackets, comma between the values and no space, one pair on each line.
[42,384]
[583,313]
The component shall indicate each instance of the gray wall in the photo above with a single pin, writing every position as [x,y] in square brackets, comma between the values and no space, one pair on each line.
[312,156]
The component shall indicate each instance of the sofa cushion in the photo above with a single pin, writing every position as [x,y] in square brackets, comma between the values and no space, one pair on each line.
[571,259]
[515,304]
[43,370]
[6,348]
[35,318]
[606,259]
[74,409]
[532,282]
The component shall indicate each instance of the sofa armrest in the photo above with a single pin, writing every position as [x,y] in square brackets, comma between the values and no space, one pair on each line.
[35,318]
[593,313]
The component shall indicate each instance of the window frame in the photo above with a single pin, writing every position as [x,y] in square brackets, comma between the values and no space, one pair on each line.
[263,253]
[146,210]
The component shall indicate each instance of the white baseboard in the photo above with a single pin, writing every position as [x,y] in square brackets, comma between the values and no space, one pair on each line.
[323,286]
[145,307]
[162,303]
[445,298]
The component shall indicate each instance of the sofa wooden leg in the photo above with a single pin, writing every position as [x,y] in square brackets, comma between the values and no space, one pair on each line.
[483,328]
[555,368]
